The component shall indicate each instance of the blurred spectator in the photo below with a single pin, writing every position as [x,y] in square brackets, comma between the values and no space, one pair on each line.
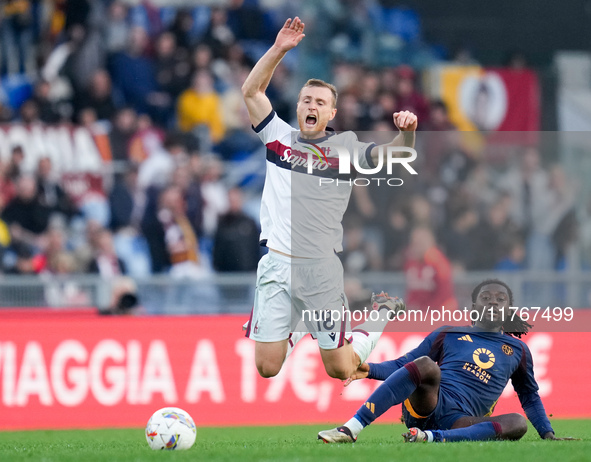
[491,235]
[200,105]
[116,29]
[396,236]
[29,112]
[133,73]
[53,244]
[182,29]
[514,259]
[215,193]
[408,97]
[458,239]
[219,37]
[105,262]
[180,247]
[429,278]
[26,216]
[50,111]
[236,242]
[14,168]
[438,118]
[172,66]
[359,253]
[49,192]
[122,200]
[16,35]
[98,96]
[124,127]
[526,184]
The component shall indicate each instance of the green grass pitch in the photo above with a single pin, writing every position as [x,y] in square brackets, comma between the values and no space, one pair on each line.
[289,443]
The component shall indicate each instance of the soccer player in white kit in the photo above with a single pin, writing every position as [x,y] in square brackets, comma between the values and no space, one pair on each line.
[301,220]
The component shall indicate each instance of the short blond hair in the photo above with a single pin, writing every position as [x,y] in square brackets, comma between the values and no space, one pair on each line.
[322,83]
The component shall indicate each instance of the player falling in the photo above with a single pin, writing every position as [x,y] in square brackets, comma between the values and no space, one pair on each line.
[301,221]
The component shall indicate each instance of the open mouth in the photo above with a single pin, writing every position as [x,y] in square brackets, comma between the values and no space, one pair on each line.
[310,121]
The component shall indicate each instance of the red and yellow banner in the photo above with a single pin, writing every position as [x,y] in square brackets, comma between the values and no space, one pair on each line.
[489,99]
[88,372]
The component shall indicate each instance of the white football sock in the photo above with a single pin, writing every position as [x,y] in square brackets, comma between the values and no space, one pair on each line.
[355,426]
[366,335]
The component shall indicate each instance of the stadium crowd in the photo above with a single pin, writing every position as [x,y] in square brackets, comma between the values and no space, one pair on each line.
[165,84]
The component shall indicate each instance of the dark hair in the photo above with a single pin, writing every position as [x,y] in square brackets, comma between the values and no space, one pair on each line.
[514,325]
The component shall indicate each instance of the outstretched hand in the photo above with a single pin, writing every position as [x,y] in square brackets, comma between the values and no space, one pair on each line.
[552,436]
[361,373]
[405,121]
[290,34]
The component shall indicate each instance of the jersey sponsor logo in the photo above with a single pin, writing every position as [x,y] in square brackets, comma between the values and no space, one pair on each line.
[484,358]
[466,338]
[507,349]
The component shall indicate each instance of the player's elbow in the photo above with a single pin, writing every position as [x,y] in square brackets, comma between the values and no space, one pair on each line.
[248,90]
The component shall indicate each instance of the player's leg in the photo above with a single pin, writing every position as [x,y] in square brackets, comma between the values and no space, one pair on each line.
[269,357]
[270,321]
[503,427]
[417,382]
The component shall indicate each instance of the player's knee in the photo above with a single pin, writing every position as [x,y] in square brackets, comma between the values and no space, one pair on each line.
[518,426]
[337,371]
[428,369]
[268,369]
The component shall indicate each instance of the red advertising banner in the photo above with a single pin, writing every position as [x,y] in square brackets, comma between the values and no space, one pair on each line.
[83,372]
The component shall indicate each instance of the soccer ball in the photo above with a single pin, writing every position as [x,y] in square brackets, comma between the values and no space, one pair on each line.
[170,428]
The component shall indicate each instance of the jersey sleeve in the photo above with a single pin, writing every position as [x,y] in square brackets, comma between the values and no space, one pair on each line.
[526,387]
[272,128]
[432,346]
[361,150]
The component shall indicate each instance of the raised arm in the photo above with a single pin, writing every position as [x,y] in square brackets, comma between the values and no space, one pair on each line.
[256,83]
[406,122]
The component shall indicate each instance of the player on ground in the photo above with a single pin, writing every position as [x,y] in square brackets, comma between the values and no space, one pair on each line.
[450,384]
[301,221]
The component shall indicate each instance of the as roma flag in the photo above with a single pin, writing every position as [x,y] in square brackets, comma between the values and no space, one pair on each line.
[490,99]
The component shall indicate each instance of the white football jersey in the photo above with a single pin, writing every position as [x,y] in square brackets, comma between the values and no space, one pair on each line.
[301,213]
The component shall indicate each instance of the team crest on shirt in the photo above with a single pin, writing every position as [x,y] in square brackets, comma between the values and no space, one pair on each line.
[484,358]
[507,349]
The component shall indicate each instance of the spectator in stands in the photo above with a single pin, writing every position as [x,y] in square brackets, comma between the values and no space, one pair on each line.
[200,105]
[53,244]
[219,36]
[396,234]
[173,71]
[50,111]
[26,216]
[121,200]
[116,29]
[133,72]
[491,236]
[50,193]
[173,243]
[408,97]
[215,193]
[428,273]
[359,253]
[124,127]
[514,257]
[15,35]
[98,96]
[29,112]
[236,242]
[458,239]
[14,167]
[105,261]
